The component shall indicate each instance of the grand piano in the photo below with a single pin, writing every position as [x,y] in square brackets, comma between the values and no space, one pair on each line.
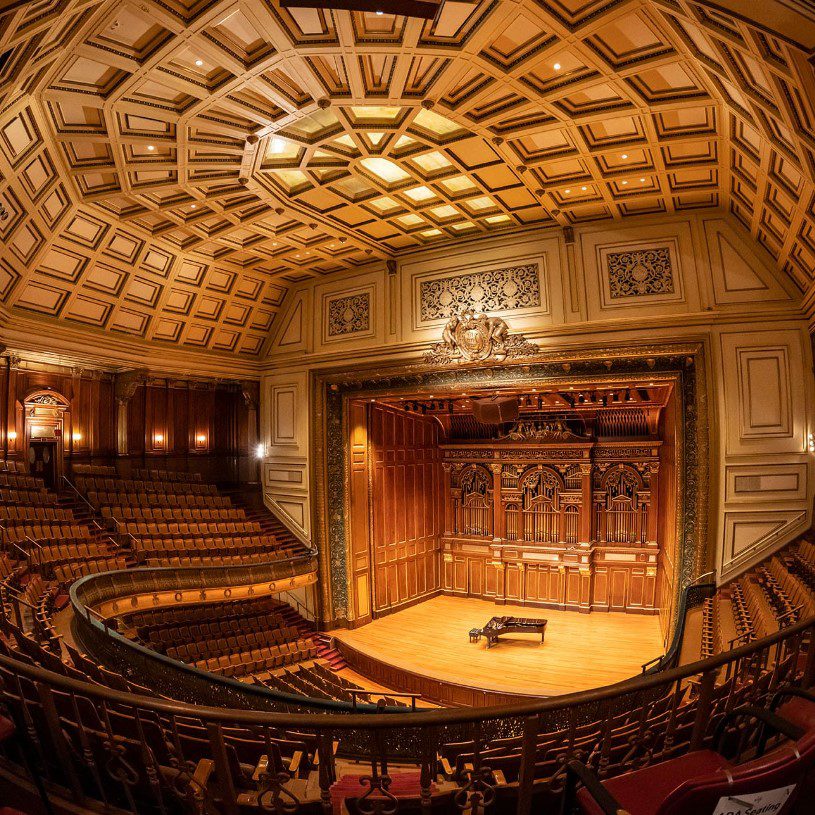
[498,626]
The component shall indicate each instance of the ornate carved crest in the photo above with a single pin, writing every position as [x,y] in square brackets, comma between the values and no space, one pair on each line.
[44,399]
[530,430]
[471,337]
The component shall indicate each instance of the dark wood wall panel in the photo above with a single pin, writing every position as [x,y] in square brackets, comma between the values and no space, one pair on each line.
[406,513]
[204,427]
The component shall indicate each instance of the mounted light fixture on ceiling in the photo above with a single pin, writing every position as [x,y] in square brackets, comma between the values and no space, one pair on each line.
[424,9]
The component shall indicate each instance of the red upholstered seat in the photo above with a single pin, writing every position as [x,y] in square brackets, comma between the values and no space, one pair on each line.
[800,712]
[6,729]
[694,783]
[643,791]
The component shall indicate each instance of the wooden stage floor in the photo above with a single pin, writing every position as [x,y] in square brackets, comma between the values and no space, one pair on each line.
[581,651]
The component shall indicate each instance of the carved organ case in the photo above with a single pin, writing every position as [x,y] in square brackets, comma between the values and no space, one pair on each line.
[568,525]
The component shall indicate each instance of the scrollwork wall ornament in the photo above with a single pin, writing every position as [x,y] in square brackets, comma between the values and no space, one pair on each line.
[471,337]
[512,287]
[531,430]
[640,272]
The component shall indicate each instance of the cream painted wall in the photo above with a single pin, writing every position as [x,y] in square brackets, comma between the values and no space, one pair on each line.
[722,290]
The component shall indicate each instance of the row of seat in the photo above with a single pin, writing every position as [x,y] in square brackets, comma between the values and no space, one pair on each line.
[72,550]
[149,620]
[19,481]
[258,660]
[174,635]
[92,483]
[102,498]
[212,528]
[186,514]
[197,650]
[47,531]
[165,476]
[12,496]
[235,544]
[17,512]
[67,573]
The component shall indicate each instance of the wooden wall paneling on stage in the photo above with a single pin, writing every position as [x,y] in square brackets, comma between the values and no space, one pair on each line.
[405,483]
[359,518]
[580,651]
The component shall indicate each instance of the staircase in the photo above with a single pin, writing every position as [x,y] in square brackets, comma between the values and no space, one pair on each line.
[268,521]
[325,652]
[321,641]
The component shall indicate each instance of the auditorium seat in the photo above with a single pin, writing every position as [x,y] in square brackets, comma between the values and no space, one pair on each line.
[694,783]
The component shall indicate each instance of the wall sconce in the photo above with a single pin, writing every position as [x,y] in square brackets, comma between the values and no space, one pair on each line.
[12,436]
[260,451]
[158,439]
[76,436]
[811,442]
[201,439]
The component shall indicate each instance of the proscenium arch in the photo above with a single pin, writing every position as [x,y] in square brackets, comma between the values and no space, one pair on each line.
[333,390]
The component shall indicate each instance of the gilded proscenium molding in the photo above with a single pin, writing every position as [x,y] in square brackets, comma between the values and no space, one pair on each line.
[683,363]
[505,289]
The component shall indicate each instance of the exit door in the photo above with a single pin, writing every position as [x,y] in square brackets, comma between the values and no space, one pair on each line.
[42,457]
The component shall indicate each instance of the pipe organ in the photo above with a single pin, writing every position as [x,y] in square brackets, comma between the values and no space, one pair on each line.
[569,525]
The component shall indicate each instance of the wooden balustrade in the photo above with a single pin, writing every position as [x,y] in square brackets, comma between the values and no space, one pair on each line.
[97,746]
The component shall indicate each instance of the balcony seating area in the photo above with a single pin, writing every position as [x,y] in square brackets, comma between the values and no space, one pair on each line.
[48,535]
[175,519]
[672,723]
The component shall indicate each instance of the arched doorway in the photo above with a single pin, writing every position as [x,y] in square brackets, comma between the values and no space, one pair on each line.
[44,418]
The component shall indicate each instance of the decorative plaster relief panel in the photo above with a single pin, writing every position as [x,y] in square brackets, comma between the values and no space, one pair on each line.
[513,280]
[505,289]
[648,272]
[350,314]
[640,272]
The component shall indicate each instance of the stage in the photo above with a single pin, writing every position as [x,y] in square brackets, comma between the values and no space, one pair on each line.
[581,651]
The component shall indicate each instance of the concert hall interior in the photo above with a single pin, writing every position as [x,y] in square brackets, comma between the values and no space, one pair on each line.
[407,408]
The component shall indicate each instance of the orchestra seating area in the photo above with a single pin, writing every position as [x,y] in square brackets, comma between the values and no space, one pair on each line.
[235,639]
[50,533]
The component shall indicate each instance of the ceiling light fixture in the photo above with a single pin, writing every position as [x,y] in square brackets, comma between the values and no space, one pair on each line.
[556,66]
[624,183]
[192,206]
[150,147]
[566,192]
[642,180]
[199,62]
[624,156]
[584,188]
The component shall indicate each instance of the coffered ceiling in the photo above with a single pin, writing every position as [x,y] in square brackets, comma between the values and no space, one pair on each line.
[168,168]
